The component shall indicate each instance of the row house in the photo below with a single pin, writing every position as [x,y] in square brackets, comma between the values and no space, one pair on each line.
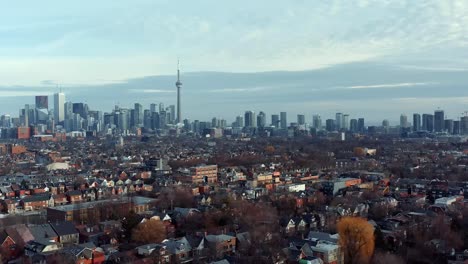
[35,202]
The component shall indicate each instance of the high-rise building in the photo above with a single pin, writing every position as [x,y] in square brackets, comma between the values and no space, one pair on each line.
[439,121]
[330,125]
[214,122]
[275,120]
[6,121]
[353,125]
[79,108]
[178,85]
[59,107]
[261,119]
[448,125]
[138,115]
[338,121]
[301,119]
[239,121]
[403,121]
[361,125]
[42,101]
[416,122]
[317,122]
[345,124]
[283,120]
[172,111]
[153,107]
[456,127]
[464,125]
[428,122]
[250,119]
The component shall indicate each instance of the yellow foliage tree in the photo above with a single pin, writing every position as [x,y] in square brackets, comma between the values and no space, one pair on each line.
[356,239]
[270,149]
[151,231]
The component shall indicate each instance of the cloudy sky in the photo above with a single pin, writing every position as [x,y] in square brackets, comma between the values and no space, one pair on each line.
[375,59]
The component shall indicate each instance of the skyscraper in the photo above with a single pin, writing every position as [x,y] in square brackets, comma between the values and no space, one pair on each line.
[239,121]
[464,125]
[345,124]
[178,85]
[283,120]
[317,122]
[300,119]
[428,122]
[439,121]
[448,126]
[338,121]
[275,120]
[59,107]
[250,119]
[403,121]
[261,119]
[42,102]
[330,125]
[138,115]
[416,122]
[353,125]
[361,125]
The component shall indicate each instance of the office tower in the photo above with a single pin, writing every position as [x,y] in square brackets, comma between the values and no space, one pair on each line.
[147,124]
[283,120]
[6,121]
[301,119]
[26,115]
[448,125]
[239,121]
[124,118]
[330,125]
[162,119]
[222,123]
[79,108]
[345,124]
[353,125]
[261,119]
[155,120]
[214,122]
[68,110]
[171,110]
[416,122]
[403,121]
[338,121]
[41,115]
[464,125]
[439,121]
[250,119]
[361,125]
[275,120]
[59,107]
[161,107]
[456,127]
[178,85]
[138,115]
[153,107]
[385,123]
[77,122]
[317,122]
[196,126]
[428,122]
[42,102]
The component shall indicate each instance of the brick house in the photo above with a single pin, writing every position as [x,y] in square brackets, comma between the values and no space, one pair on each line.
[35,202]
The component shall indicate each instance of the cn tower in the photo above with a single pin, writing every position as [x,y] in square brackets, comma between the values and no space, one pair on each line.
[178,85]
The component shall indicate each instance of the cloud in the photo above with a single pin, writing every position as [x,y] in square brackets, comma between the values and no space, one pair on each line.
[149,91]
[241,90]
[388,85]
[19,93]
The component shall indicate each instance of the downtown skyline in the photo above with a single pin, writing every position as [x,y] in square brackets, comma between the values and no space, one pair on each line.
[396,57]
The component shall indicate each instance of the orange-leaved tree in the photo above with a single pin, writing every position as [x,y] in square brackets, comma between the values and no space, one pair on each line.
[356,239]
[151,231]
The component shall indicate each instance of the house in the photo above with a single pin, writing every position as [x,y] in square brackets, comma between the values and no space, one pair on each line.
[35,248]
[74,196]
[221,244]
[20,234]
[8,245]
[9,206]
[43,233]
[59,199]
[66,232]
[84,254]
[179,249]
[35,202]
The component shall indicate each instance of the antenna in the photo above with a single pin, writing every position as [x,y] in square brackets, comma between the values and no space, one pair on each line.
[178,70]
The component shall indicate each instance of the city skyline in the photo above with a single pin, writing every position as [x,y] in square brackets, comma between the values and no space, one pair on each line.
[403,56]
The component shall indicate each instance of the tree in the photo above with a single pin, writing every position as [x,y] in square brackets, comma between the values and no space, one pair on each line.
[151,231]
[356,239]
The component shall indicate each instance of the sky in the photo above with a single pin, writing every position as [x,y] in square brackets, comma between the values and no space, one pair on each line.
[371,58]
